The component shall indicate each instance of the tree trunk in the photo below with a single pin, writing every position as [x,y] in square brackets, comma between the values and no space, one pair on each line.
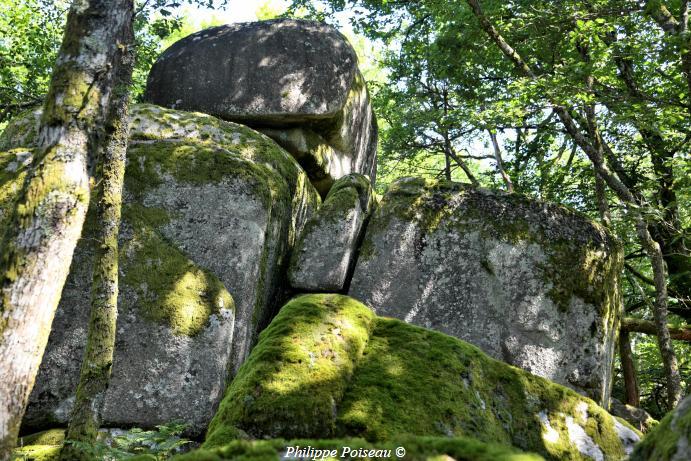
[98,355]
[42,233]
[500,163]
[628,369]
[447,166]
[651,247]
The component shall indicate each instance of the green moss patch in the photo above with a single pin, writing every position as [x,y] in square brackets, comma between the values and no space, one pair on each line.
[42,446]
[37,453]
[150,123]
[13,168]
[416,449]
[49,437]
[298,372]
[171,289]
[416,381]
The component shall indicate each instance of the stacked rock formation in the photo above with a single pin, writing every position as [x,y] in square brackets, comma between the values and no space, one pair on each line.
[223,221]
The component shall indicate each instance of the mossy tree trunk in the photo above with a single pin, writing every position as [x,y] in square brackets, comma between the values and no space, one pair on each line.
[632,202]
[98,355]
[38,243]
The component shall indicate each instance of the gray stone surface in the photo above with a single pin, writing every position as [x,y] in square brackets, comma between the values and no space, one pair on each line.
[278,74]
[323,256]
[209,213]
[533,284]
[280,71]
[322,162]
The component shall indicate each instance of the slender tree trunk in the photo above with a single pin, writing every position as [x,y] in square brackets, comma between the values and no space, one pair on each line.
[601,197]
[500,163]
[628,369]
[473,180]
[98,355]
[42,233]
[651,247]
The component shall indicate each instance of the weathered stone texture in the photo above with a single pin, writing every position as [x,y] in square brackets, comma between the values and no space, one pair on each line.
[533,284]
[210,211]
[324,255]
[282,75]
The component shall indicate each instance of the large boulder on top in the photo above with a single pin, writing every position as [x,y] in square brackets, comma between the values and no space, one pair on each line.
[328,367]
[324,255]
[530,283]
[211,210]
[285,75]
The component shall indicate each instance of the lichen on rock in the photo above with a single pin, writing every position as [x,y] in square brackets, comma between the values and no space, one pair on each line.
[310,95]
[531,283]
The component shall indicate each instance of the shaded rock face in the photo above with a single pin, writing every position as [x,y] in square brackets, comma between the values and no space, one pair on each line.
[637,417]
[210,212]
[327,367]
[671,439]
[297,78]
[529,283]
[323,257]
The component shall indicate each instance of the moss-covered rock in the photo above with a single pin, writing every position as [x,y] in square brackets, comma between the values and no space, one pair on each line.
[298,372]
[42,446]
[637,417]
[381,378]
[210,212]
[325,253]
[531,283]
[22,130]
[670,440]
[416,449]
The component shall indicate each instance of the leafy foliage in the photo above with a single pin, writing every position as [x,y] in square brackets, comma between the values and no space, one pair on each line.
[32,31]
[161,444]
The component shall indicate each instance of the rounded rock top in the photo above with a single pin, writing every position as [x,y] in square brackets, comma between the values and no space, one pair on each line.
[268,72]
